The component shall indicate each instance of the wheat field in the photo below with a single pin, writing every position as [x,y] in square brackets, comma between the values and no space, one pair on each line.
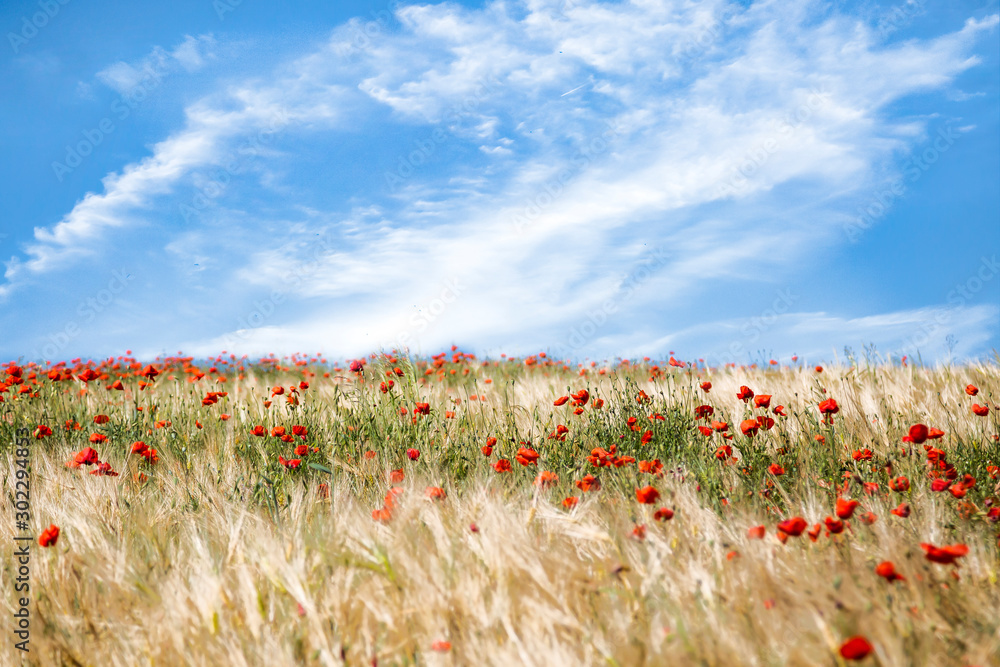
[206,548]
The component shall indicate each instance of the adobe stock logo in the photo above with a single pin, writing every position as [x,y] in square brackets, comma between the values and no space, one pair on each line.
[30,28]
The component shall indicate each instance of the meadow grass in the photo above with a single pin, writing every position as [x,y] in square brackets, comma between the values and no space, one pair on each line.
[218,553]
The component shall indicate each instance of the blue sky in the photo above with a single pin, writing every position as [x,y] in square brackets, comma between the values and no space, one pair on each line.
[732,181]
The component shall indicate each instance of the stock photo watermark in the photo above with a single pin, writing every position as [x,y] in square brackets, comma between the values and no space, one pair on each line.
[48,10]
[121,109]
[758,156]
[552,189]
[87,311]
[580,334]
[408,164]
[913,169]
[220,178]
[755,327]
[957,298]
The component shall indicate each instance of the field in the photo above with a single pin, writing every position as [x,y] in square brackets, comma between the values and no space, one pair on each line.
[459,511]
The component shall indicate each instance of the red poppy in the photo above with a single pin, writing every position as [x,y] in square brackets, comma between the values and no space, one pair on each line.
[845,508]
[570,502]
[101,419]
[829,407]
[49,536]
[706,386]
[546,479]
[412,454]
[149,372]
[813,532]
[663,514]
[526,456]
[918,434]
[723,452]
[745,393]
[762,401]
[765,422]
[868,518]
[749,427]
[855,648]
[940,485]
[945,555]
[900,484]
[819,369]
[42,431]
[980,410]
[779,410]
[835,526]
[647,495]
[97,438]
[862,454]
[503,465]
[422,409]
[756,533]
[705,431]
[436,493]
[703,412]
[562,400]
[104,470]
[86,456]
[793,527]
[589,483]
[887,570]
[776,470]
[396,476]
[259,431]
[289,463]
[300,431]
[902,511]
[971,389]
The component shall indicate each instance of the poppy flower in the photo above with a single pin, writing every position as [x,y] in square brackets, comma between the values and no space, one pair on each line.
[357,365]
[862,454]
[845,508]
[570,502]
[49,536]
[412,454]
[703,412]
[900,484]
[887,570]
[653,467]
[88,376]
[86,456]
[562,400]
[835,526]
[779,410]
[526,456]
[902,511]
[663,514]
[813,532]
[762,401]
[829,408]
[918,434]
[259,431]
[971,389]
[980,410]
[705,431]
[277,431]
[647,495]
[382,514]
[97,438]
[589,483]
[639,532]
[503,465]
[441,646]
[422,409]
[868,518]
[819,369]
[42,431]
[756,533]
[396,476]
[935,434]
[104,470]
[940,485]
[776,470]
[546,479]
[793,527]
[436,493]
[765,422]
[101,419]
[855,648]
[724,452]
[945,555]
[706,387]
[749,427]
[149,372]
[745,393]
[300,431]
[289,463]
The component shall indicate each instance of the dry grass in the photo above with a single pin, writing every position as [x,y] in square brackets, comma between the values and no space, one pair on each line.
[224,557]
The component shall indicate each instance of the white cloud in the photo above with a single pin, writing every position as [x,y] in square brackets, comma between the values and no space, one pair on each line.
[737,131]
[190,55]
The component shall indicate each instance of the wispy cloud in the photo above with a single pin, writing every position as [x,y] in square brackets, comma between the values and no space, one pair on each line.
[734,131]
